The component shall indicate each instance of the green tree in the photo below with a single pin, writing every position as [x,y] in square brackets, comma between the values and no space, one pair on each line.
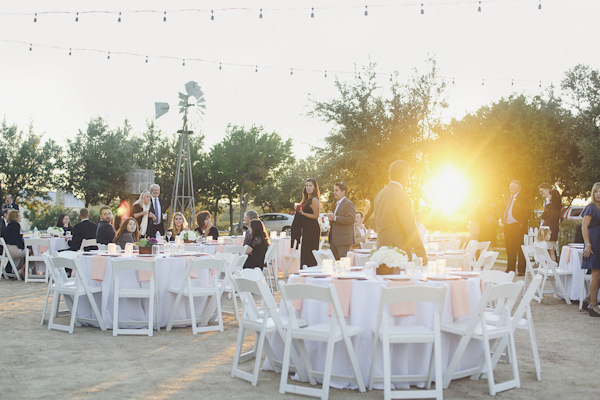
[97,162]
[27,166]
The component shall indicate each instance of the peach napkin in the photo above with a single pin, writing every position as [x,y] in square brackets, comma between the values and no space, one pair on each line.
[219,248]
[460,298]
[404,308]
[239,241]
[193,274]
[567,254]
[42,249]
[343,288]
[144,276]
[98,268]
[297,304]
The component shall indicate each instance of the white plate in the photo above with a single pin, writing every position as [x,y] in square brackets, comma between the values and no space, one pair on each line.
[314,275]
[146,255]
[357,268]
[353,275]
[397,277]
[186,254]
[443,278]
[363,251]
[464,273]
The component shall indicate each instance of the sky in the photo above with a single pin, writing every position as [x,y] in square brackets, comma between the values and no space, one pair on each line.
[508,41]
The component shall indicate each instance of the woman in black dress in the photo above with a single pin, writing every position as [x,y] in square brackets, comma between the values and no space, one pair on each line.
[550,218]
[308,215]
[14,241]
[259,243]
[590,228]
[205,226]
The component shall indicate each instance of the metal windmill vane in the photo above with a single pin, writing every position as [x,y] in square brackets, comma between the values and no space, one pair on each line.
[183,188]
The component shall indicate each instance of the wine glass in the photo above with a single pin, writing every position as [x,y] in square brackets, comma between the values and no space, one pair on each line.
[169,234]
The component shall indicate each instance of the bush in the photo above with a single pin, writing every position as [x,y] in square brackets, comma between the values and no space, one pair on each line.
[44,216]
[566,232]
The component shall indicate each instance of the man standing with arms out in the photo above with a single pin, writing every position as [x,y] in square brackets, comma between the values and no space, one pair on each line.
[248,217]
[341,233]
[83,230]
[105,233]
[516,215]
[10,205]
[157,208]
[394,216]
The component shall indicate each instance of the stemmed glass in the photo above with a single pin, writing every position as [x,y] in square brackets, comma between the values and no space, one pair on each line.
[169,234]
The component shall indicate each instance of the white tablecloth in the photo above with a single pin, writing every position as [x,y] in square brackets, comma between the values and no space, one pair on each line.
[364,303]
[169,271]
[571,282]
[56,244]
[284,247]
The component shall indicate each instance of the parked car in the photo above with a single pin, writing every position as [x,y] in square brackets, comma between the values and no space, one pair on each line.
[574,212]
[278,222]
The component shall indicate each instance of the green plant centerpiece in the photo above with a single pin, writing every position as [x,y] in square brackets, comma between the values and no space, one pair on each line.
[391,260]
[146,245]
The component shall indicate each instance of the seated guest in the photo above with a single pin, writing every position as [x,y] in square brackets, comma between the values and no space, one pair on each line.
[64,222]
[14,240]
[4,223]
[141,212]
[249,216]
[178,225]
[105,233]
[205,225]
[129,232]
[259,243]
[83,230]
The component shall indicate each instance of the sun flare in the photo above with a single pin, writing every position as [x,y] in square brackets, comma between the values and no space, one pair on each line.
[447,191]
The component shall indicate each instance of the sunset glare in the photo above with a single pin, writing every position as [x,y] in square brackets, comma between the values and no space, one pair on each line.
[447,191]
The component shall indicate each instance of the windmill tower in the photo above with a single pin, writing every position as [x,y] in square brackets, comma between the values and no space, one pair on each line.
[183,189]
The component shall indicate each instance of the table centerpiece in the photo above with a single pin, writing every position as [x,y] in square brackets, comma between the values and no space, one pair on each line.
[391,260]
[54,231]
[189,236]
[146,245]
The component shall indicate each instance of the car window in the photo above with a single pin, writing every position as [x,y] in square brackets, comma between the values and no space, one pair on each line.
[280,218]
[576,212]
[264,218]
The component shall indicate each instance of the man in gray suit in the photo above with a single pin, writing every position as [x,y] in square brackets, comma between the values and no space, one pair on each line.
[341,233]
[394,216]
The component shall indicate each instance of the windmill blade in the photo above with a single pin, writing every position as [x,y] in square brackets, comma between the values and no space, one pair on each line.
[183,97]
[160,109]
[193,89]
[183,103]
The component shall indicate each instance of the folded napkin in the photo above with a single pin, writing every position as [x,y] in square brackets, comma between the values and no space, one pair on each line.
[343,288]
[144,276]
[297,304]
[404,308]
[567,254]
[194,274]
[98,268]
[239,241]
[460,298]
[219,248]
[42,249]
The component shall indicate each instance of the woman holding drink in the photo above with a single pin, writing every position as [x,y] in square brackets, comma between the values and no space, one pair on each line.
[307,222]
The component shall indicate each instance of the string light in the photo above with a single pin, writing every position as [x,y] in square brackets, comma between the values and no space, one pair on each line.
[359,77]
[312,13]
[165,17]
[540,83]
[35,18]
[391,78]
[212,15]
[452,81]
[422,10]
[540,5]
[479,8]
[256,70]
[260,16]
[30,46]
[184,62]
[69,51]
[146,59]
[366,12]
[77,18]
[512,82]
[482,82]
[291,71]
[325,73]
[220,66]
[108,58]
[119,17]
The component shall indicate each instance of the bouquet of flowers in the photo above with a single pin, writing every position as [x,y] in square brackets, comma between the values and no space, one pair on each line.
[148,242]
[391,257]
[189,235]
[55,231]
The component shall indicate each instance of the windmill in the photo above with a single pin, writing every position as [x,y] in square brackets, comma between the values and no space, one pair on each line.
[183,189]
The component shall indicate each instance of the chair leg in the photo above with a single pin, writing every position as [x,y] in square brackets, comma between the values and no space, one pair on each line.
[46,302]
[151,313]
[116,310]
[175,307]
[327,369]
[53,310]
[74,313]
[373,360]
[355,367]
[387,370]
[238,350]
[257,361]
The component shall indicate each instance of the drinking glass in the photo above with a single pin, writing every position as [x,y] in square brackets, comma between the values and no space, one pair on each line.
[128,249]
[409,270]
[339,268]
[169,234]
[155,249]
[371,269]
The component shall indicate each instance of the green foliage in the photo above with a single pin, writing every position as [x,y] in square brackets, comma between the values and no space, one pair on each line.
[566,232]
[42,215]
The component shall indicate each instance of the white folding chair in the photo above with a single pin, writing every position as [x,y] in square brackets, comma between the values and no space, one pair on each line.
[390,333]
[522,319]
[226,288]
[531,264]
[331,333]
[322,242]
[496,277]
[136,292]
[368,245]
[88,243]
[288,258]
[264,320]
[51,280]
[236,249]
[7,259]
[548,269]
[320,255]
[486,261]
[213,268]
[32,258]
[71,292]
[481,248]
[471,250]
[270,271]
[478,328]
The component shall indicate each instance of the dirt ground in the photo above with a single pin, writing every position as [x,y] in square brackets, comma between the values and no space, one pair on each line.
[91,364]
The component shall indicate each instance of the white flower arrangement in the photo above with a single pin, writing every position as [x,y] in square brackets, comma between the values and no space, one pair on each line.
[55,231]
[189,235]
[392,257]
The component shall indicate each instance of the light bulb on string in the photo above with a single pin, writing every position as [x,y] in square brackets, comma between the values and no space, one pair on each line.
[479,8]
[391,80]
[512,82]
[35,18]
[326,74]
[30,46]
[165,17]
[366,12]
[146,59]
[260,16]
[184,62]
[422,10]
[312,13]
[256,69]
[77,18]
[108,58]
[291,71]
[119,20]
[69,51]
[359,77]
[540,84]
[212,15]
[220,66]
[452,81]
[540,5]
[482,82]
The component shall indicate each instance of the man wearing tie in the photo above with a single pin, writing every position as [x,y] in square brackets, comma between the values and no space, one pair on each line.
[341,233]
[157,208]
[516,216]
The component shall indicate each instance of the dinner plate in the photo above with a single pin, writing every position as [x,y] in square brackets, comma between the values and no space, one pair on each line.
[352,275]
[443,278]
[397,277]
[146,255]
[464,273]
[363,251]
[314,275]
[454,252]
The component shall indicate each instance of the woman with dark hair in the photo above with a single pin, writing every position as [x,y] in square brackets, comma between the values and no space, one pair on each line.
[590,228]
[551,217]
[129,232]
[259,243]
[14,240]
[205,226]
[306,222]
[64,222]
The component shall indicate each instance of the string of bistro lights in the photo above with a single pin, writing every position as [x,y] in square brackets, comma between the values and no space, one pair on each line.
[419,5]
[325,72]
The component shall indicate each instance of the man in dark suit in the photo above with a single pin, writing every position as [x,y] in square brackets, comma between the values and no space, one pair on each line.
[515,218]
[394,216]
[157,208]
[341,233]
[10,205]
[83,230]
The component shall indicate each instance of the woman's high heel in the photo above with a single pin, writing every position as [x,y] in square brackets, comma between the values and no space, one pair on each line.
[585,303]
[593,310]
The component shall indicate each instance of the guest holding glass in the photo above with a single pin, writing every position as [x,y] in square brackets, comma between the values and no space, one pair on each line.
[306,223]
[14,240]
[590,228]
[259,243]
[360,232]
[129,232]
[205,226]
[178,225]
[64,222]
[141,212]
